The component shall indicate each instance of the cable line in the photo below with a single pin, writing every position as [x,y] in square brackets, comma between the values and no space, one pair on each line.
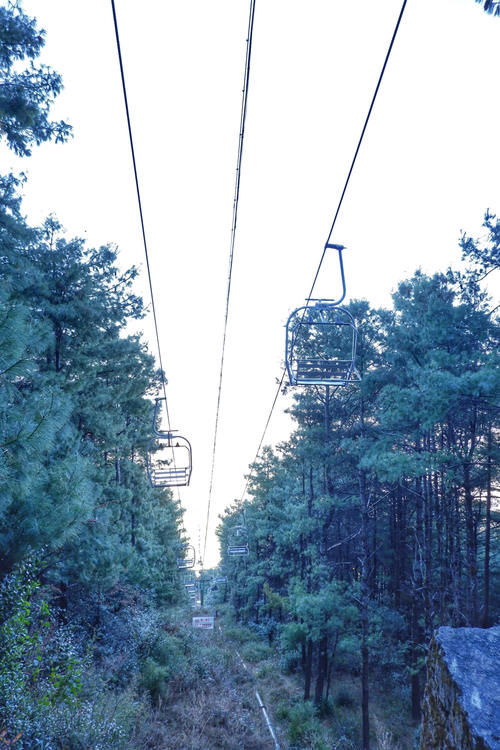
[328,241]
[388,54]
[280,385]
[143,229]
[243,115]
[132,149]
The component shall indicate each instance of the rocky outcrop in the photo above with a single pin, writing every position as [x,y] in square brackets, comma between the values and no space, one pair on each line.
[461,706]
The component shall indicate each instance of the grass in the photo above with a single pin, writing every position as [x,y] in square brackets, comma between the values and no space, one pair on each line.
[338,725]
[208,699]
[207,703]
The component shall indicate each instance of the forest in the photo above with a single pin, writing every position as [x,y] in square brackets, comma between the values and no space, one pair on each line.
[376,522]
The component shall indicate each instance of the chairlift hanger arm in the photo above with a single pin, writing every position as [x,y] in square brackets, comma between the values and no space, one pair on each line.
[158,433]
[339,248]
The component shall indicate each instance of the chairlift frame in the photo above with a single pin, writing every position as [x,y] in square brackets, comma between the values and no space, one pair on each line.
[241,549]
[316,370]
[177,475]
[188,560]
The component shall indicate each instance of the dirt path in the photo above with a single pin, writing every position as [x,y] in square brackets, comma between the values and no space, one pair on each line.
[219,711]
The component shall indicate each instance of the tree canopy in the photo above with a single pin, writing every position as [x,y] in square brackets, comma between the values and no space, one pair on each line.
[490,6]
[27,90]
[376,521]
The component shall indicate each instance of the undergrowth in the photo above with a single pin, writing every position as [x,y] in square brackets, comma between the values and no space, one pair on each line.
[143,678]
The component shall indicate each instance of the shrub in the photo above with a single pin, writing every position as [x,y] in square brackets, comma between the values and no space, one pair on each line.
[290,661]
[51,695]
[344,699]
[264,670]
[304,727]
[40,669]
[154,678]
[254,652]
[239,634]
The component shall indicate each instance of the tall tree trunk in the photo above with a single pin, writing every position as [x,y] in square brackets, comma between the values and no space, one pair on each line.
[457,618]
[487,539]
[414,662]
[322,670]
[364,610]
[471,589]
[331,661]
[58,347]
[308,669]
[428,523]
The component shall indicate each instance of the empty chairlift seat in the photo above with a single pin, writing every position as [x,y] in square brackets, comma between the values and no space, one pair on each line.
[169,459]
[238,542]
[321,340]
[321,345]
[186,557]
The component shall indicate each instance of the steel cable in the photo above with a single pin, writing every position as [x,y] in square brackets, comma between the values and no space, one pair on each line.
[141,216]
[344,190]
[231,248]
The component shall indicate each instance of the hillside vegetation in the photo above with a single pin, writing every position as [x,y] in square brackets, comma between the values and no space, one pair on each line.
[374,523]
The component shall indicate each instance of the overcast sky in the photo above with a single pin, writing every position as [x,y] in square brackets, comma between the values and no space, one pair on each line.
[428,169]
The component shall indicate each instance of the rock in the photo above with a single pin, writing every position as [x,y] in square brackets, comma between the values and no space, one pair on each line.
[461,704]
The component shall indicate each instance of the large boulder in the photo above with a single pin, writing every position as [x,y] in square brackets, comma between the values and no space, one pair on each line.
[461,705]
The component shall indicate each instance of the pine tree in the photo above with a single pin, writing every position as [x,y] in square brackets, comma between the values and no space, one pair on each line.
[26,90]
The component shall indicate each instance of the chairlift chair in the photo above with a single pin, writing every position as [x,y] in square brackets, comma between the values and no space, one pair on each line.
[169,458]
[321,341]
[238,541]
[186,557]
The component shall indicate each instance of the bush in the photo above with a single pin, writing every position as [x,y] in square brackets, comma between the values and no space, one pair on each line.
[264,670]
[290,661]
[154,678]
[282,710]
[304,729]
[51,695]
[267,628]
[239,634]
[254,652]
[40,670]
[325,708]
[344,699]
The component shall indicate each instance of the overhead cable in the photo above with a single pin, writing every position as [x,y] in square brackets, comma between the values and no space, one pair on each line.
[132,149]
[243,115]
[344,190]
[143,230]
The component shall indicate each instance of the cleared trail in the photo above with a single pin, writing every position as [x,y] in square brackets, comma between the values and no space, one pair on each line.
[224,708]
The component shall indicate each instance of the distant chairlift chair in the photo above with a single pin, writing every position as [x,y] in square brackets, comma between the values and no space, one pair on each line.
[169,457]
[313,332]
[186,557]
[238,542]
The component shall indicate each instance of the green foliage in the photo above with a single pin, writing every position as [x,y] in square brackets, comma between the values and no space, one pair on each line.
[27,91]
[75,417]
[154,678]
[304,729]
[344,699]
[375,522]
[490,6]
[75,414]
[255,652]
[40,669]
[240,635]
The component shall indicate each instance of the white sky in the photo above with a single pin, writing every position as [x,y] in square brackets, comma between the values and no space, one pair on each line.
[428,168]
